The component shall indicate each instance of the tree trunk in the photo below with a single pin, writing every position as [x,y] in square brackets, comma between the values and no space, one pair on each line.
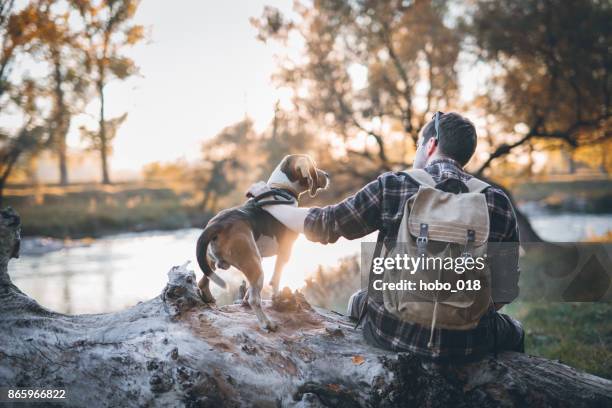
[62,156]
[61,117]
[63,165]
[176,351]
[571,164]
[11,159]
[102,137]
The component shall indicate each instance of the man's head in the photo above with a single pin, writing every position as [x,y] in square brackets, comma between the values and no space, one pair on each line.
[455,139]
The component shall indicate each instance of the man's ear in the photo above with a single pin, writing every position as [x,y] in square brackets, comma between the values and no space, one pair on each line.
[432,146]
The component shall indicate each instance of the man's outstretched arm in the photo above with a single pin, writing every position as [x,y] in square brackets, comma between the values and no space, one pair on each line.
[292,217]
[354,217]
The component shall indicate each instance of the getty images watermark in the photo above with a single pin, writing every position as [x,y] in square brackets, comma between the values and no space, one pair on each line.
[554,272]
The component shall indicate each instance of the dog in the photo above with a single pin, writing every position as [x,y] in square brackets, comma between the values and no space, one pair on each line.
[241,236]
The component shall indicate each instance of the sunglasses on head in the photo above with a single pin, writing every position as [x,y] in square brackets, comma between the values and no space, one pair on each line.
[436,119]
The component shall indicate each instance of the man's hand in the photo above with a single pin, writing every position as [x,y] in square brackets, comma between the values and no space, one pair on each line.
[258,189]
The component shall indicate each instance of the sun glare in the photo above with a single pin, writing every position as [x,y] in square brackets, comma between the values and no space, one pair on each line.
[306,256]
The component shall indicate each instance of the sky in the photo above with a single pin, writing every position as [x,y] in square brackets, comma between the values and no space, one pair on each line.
[201,69]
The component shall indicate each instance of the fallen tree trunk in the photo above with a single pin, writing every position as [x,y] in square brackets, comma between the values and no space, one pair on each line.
[176,351]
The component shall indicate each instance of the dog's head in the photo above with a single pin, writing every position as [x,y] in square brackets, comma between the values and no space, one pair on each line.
[303,174]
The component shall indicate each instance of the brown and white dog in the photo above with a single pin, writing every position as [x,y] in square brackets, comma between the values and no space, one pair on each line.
[241,236]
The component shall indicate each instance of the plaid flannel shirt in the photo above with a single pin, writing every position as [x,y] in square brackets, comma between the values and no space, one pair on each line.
[379,206]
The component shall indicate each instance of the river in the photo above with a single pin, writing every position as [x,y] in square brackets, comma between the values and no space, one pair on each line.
[114,272]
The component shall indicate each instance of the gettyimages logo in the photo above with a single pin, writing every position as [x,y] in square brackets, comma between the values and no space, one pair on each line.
[414,264]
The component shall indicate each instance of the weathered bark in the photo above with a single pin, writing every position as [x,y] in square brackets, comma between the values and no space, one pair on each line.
[176,351]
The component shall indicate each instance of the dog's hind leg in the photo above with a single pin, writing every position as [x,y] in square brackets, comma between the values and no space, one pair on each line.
[245,256]
[254,273]
[204,285]
[255,302]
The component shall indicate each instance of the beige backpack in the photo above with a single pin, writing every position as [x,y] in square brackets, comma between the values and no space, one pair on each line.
[444,226]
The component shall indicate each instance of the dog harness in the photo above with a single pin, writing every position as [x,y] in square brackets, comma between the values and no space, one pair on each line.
[289,198]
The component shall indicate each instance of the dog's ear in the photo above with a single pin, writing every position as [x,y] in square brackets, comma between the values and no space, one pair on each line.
[307,173]
[291,165]
[313,177]
[288,166]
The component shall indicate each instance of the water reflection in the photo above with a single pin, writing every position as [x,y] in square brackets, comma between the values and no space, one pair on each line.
[112,273]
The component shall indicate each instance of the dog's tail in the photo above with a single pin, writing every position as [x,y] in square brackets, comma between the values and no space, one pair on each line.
[209,233]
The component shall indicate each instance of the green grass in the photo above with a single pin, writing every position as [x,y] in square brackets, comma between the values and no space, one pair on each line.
[577,334]
[95,212]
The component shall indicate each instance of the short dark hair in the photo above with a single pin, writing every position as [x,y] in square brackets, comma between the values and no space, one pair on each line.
[456,136]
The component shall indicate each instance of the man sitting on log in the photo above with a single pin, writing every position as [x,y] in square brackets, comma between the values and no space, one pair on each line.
[445,146]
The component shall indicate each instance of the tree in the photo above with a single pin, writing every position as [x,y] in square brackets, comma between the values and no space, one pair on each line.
[18,29]
[59,46]
[370,71]
[108,30]
[103,145]
[228,160]
[550,62]
[28,139]
[287,134]
[552,67]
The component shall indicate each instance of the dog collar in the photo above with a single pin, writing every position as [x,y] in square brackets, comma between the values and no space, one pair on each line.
[284,189]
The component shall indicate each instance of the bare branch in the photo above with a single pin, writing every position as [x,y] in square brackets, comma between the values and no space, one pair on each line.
[566,135]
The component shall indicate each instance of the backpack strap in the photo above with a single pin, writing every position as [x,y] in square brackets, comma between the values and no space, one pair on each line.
[422,177]
[475,185]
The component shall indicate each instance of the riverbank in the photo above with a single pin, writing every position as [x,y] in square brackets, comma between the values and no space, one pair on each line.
[576,196]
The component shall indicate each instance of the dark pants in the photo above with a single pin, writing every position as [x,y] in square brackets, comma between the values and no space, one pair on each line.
[510,333]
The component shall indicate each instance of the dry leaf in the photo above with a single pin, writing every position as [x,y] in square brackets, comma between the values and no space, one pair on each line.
[334,387]
[358,360]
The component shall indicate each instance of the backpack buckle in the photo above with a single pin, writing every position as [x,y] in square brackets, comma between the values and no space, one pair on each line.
[469,245]
[421,241]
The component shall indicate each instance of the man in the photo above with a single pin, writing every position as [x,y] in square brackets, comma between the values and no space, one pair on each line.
[380,205]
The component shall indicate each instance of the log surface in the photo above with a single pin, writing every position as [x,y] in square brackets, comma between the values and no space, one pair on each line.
[175,350]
